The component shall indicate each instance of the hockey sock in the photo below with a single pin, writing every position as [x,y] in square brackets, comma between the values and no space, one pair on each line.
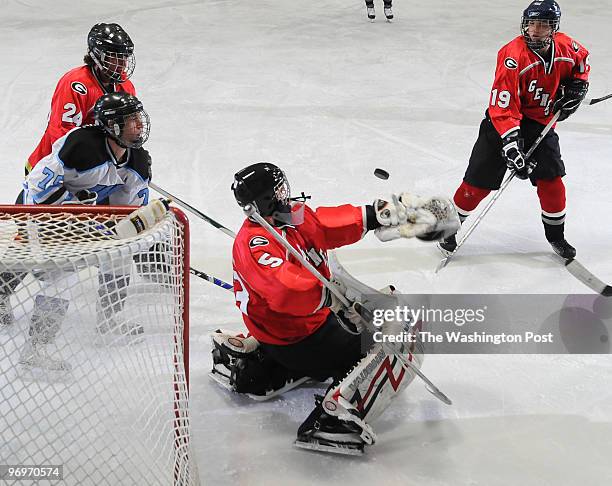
[552,201]
[467,198]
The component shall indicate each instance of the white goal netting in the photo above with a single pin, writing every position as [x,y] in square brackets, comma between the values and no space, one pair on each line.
[94,346]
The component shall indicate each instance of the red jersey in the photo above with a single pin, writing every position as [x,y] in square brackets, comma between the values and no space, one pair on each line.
[280,300]
[526,83]
[72,106]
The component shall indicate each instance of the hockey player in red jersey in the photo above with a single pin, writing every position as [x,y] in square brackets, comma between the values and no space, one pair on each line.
[109,63]
[540,72]
[298,324]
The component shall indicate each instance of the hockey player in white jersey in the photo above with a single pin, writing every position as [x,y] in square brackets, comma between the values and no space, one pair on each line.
[102,163]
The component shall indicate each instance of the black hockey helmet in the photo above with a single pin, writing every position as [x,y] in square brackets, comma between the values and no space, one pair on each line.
[112,51]
[123,117]
[265,186]
[548,13]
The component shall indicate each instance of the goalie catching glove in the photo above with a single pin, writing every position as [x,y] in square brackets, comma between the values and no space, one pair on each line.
[409,216]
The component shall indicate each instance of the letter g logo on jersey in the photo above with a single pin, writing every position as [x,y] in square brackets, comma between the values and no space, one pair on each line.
[510,63]
[258,241]
[79,87]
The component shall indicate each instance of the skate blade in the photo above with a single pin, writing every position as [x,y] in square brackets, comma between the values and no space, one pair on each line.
[289,386]
[343,449]
[222,380]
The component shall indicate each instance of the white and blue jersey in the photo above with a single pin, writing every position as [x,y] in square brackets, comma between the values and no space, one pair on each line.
[83,160]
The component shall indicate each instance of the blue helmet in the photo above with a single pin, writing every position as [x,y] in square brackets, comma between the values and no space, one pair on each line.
[545,12]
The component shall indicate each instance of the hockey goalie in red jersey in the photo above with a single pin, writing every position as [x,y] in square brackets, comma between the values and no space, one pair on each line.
[297,327]
[109,63]
[539,73]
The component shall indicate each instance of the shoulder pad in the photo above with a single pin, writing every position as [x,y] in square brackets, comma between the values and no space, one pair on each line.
[140,160]
[84,148]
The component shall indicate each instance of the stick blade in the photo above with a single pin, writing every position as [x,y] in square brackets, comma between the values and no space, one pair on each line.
[587,278]
[599,100]
[439,395]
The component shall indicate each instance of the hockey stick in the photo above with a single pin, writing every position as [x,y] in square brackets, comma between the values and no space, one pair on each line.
[587,278]
[593,101]
[193,210]
[210,278]
[199,214]
[251,212]
[495,197]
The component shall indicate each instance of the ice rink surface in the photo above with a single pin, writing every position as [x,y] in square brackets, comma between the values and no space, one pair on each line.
[328,96]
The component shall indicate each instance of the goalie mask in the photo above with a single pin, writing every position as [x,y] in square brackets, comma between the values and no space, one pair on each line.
[540,22]
[266,188]
[112,51]
[123,118]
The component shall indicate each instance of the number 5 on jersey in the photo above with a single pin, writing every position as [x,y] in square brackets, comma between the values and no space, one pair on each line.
[267,260]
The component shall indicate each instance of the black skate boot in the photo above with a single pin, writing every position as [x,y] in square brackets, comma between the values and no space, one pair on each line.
[555,236]
[448,245]
[563,249]
[323,432]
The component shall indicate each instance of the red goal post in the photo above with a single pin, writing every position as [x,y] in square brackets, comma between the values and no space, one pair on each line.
[94,359]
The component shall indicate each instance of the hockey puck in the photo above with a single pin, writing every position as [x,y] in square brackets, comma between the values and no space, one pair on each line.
[381,173]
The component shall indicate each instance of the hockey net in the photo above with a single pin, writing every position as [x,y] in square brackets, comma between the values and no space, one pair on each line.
[94,346]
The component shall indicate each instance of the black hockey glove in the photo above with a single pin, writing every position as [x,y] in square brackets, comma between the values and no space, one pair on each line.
[512,152]
[84,196]
[569,96]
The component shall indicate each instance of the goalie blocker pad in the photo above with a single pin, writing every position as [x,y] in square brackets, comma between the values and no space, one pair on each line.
[240,366]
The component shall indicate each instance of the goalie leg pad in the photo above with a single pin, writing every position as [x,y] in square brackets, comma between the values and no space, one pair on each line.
[368,389]
[45,322]
[241,366]
[47,318]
